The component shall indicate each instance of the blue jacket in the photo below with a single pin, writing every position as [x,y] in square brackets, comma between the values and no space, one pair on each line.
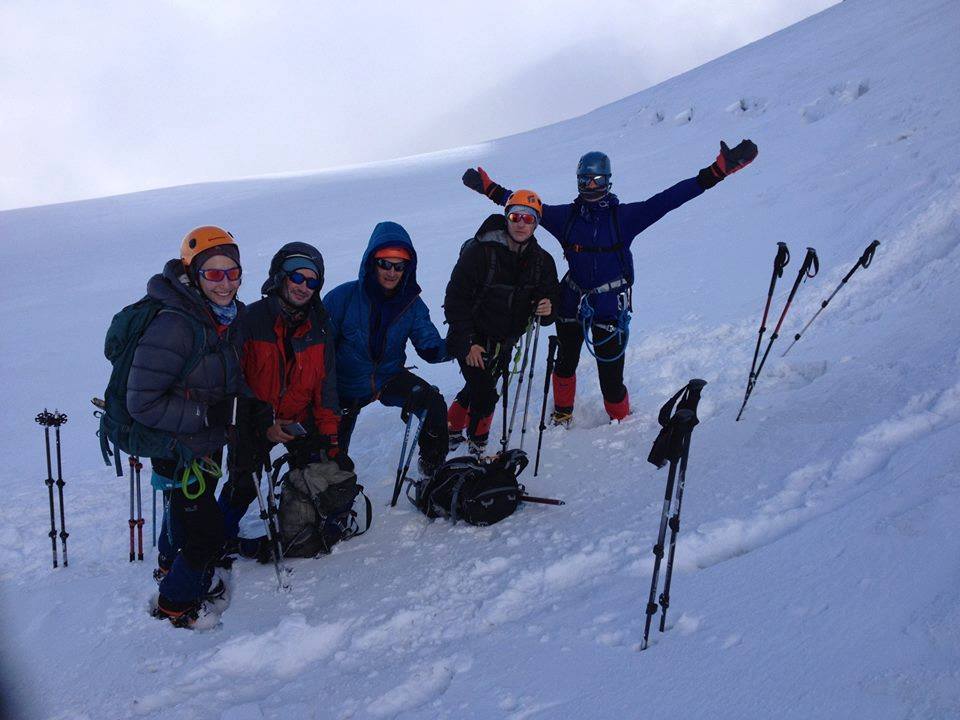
[362,371]
[597,250]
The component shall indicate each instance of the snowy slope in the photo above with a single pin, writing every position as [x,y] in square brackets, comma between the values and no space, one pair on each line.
[818,566]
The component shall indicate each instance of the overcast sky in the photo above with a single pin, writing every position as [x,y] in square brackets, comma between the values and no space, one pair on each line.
[100,98]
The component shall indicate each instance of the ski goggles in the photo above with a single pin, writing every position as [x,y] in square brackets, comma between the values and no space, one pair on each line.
[298,278]
[216,275]
[524,218]
[384,264]
[599,181]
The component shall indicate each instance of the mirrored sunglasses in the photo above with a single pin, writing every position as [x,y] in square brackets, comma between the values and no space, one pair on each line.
[298,278]
[600,181]
[217,275]
[398,265]
[519,217]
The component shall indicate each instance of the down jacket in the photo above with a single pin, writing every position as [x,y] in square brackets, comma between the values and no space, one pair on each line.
[498,311]
[156,395]
[361,373]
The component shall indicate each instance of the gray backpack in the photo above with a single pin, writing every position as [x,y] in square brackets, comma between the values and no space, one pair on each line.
[316,509]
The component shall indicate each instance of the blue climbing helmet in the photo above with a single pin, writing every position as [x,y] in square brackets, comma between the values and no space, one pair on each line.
[594,166]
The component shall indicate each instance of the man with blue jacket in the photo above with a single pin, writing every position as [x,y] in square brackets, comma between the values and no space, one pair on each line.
[596,231]
[371,319]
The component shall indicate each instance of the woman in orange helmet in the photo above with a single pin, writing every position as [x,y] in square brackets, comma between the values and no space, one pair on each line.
[184,380]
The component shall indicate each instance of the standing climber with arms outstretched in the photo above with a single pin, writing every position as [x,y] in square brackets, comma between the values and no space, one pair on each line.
[596,231]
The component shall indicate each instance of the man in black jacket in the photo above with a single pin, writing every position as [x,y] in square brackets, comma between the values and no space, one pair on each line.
[501,282]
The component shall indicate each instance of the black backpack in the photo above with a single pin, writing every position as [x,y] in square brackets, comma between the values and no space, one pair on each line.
[316,509]
[464,488]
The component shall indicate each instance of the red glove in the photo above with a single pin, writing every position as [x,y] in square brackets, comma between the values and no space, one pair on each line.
[728,162]
[479,181]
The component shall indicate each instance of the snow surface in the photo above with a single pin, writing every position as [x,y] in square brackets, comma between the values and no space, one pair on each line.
[818,565]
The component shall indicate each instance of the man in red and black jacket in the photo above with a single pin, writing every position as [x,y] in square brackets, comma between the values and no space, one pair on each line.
[289,362]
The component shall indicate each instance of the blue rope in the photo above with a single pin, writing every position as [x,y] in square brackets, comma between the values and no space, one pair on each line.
[621,331]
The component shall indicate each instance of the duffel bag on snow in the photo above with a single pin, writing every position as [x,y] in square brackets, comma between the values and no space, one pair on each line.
[464,488]
[316,508]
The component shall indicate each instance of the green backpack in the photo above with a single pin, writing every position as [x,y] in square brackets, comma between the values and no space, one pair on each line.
[116,425]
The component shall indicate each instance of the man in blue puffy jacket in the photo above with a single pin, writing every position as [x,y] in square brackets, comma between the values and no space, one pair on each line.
[372,318]
[596,231]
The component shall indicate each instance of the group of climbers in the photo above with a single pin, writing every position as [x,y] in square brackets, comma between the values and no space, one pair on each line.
[295,369]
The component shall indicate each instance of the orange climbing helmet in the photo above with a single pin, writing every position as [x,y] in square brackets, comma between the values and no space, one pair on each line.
[526,198]
[203,238]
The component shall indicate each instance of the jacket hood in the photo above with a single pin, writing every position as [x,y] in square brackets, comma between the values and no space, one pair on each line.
[172,288]
[391,234]
[274,280]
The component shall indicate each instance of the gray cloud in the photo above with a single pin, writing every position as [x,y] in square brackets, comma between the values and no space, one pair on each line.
[101,98]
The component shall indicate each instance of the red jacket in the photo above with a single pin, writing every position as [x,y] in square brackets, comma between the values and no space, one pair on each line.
[295,374]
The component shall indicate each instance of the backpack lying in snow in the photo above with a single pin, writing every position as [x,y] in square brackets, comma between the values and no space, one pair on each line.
[316,509]
[464,488]
[116,425]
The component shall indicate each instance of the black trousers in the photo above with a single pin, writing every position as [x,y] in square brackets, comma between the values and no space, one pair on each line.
[480,392]
[191,537]
[413,393]
[608,345]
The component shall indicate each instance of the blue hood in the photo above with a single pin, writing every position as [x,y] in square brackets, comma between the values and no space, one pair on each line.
[391,234]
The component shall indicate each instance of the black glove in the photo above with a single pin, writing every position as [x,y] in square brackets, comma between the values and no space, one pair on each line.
[256,412]
[220,414]
[479,181]
[728,162]
[343,461]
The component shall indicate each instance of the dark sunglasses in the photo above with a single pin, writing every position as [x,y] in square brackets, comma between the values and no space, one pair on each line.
[600,180]
[398,265]
[519,217]
[216,275]
[298,278]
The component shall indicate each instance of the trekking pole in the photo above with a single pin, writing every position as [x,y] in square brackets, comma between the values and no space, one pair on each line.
[405,457]
[131,522]
[541,500]
[265,516]
[523,370]
[44,420]
[863,262]
[533,365]
[810,261]
[58,420]
[139,467]
[505,387]
[153,525]
[781,261]
[671,445]
[681,419]
[551,357]
[690,402]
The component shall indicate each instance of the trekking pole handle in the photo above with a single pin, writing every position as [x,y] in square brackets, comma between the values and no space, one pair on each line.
[810,260]
[782,259]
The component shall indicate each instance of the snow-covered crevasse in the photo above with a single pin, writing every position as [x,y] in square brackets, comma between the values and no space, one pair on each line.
[817,559]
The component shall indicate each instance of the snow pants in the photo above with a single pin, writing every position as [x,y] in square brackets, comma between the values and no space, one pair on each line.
[191,536]
[570,345]
[479,395]
[408,391]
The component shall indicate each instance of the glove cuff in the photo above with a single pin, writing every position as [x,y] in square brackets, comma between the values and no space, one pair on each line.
[494,192]
[709,176]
